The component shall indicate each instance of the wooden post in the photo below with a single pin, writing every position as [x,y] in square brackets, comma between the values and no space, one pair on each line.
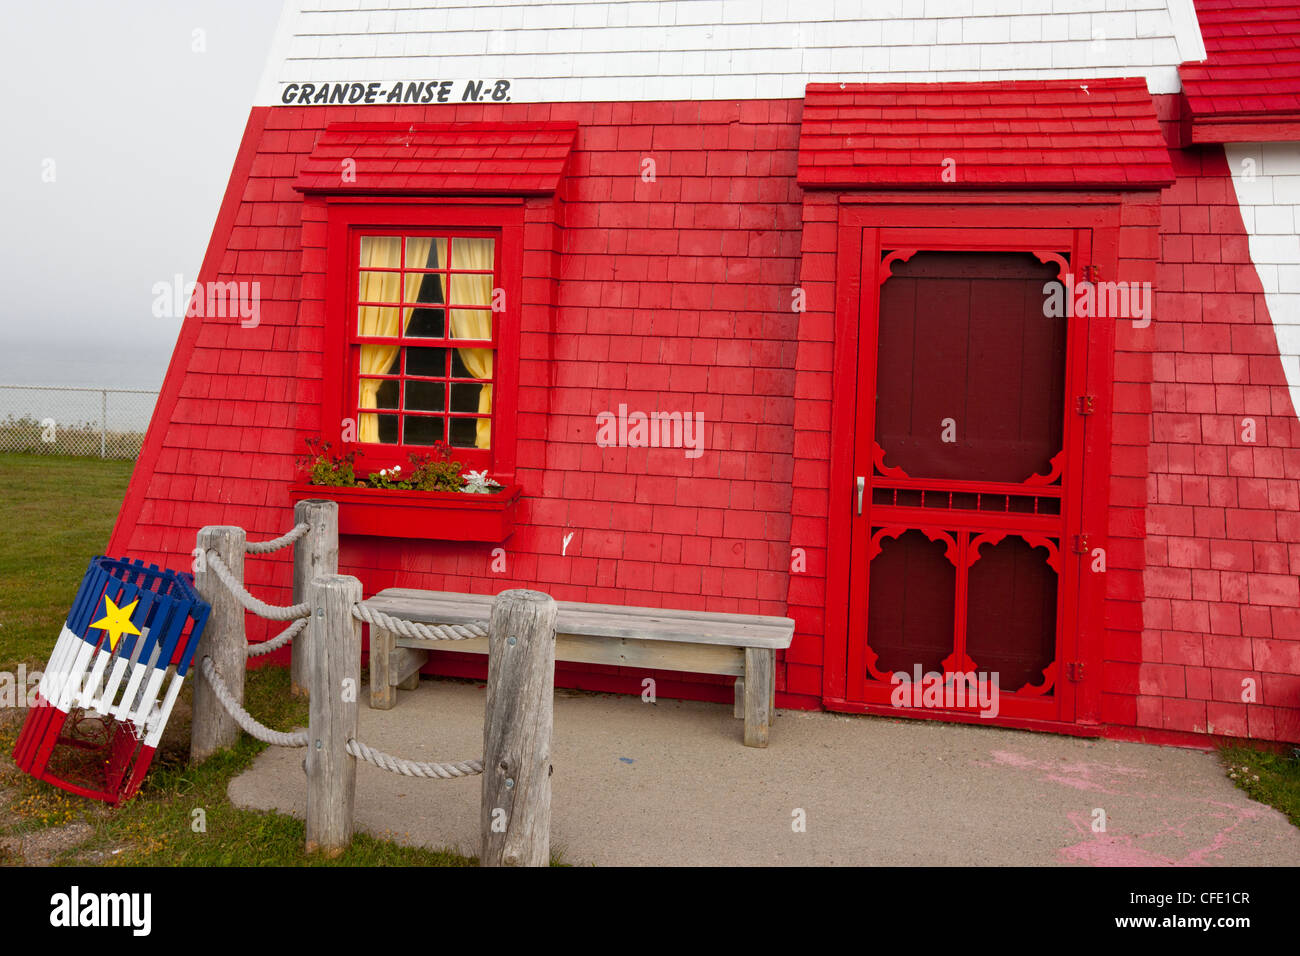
[334,677]
[223,640]
[515,816]
[759,691]
[315,554]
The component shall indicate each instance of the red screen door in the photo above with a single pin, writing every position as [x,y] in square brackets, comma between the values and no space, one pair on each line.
[966,463]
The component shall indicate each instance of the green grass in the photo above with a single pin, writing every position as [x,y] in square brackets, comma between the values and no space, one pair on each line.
[58,514]
[1267,776]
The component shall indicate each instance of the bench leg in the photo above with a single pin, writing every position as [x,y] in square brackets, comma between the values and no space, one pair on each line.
[383,695]
[739,711]
[404,665]
[760,681]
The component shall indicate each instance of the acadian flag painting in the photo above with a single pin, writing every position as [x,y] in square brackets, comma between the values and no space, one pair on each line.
[113,679]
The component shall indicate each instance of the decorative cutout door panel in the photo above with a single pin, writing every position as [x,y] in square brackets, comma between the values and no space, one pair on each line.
[967,464]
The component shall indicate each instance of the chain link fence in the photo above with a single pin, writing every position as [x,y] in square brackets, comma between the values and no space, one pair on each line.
[74,420]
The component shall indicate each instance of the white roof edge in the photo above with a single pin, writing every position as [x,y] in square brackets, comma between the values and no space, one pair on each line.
[1187,30]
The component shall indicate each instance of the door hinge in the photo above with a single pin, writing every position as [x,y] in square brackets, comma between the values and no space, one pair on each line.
[1080,544]
[1087,404]
[1074,670]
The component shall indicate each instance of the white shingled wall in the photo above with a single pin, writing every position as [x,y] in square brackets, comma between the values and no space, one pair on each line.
[601,50]
[1266,177]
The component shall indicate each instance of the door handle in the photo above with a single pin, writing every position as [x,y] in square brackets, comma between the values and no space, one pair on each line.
[862,482]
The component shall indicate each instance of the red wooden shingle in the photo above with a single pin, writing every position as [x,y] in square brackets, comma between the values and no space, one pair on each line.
[1058,133]
[501,158]
[1250,78]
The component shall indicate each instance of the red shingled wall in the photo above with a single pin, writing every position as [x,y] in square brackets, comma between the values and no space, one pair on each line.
[1223,532]
[675,295]
[671,300]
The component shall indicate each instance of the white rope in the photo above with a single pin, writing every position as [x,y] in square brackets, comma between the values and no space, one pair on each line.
[275,544]
[243,717]
[428,632]
[281,639]
[272,612]
[413,768]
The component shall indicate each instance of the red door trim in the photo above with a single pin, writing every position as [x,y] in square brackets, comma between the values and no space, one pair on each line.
[867,223]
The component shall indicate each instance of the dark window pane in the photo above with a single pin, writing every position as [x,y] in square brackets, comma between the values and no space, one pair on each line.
[431,362]
[429,288]
[427,324]
[388,429]
[465,397]
[464,432]
[423,431]
[426,396]
[385,392]
[458,367]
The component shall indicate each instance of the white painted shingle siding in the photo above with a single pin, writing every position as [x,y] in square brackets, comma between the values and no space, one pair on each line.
[639,50]
[1266,177]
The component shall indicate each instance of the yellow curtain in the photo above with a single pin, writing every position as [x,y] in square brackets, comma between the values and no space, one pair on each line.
[384,252]
[474,323]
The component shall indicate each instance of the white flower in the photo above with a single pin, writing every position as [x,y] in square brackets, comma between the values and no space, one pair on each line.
[396,469]
[477,482]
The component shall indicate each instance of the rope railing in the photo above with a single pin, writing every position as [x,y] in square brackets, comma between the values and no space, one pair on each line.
[517,726]
[259,607]
[275,544]
[242,717]
[277,642]
[413,768]
[428,632]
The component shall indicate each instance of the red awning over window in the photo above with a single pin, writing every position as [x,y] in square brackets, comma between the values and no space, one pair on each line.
[438,158]
[1072,134]
[1248,87]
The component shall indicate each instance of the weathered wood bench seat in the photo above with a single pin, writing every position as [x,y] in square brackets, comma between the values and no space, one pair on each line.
[698,642]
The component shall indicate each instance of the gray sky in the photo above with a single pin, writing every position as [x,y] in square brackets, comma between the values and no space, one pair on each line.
[142,130]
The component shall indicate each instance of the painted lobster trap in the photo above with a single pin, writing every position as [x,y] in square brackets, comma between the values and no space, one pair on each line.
[105,696]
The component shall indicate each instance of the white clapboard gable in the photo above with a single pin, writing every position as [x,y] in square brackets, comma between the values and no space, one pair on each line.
[620,50]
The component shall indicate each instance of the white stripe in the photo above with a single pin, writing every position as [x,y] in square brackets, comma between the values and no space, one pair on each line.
[149,698]
[72,682]
[52,678]
[138,673]
[86,698]
[119,670]
[158,721]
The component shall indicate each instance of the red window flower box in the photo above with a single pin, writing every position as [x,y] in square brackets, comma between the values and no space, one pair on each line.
[433,515]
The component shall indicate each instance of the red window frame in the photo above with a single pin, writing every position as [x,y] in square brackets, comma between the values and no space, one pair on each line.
[347,221]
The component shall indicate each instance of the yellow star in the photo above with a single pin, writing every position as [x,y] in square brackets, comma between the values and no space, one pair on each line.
[117,621]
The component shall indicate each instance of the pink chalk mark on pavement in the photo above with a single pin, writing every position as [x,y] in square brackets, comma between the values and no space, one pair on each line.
[1123,849]
[1080,774]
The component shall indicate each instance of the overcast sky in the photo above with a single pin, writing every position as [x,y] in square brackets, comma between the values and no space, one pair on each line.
[142,127]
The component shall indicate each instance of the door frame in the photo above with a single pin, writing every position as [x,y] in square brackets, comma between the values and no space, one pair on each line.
[992,214]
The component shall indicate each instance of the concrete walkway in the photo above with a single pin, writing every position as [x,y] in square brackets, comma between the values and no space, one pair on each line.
[670,784]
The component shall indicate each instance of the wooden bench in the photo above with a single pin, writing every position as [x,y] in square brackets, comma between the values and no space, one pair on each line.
[698,642]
